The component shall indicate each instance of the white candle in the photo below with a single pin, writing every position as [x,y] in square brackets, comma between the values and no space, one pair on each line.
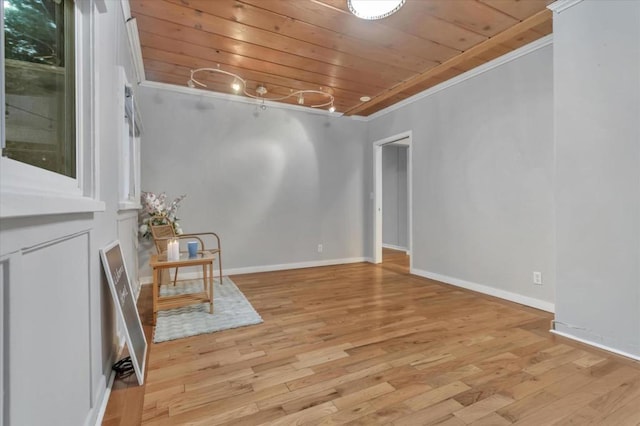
[169,250]
[173,250]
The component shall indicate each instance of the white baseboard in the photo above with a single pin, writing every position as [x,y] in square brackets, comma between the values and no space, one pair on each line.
[267,268]
[394,247]
[105,399]
[491,291]
[596,345]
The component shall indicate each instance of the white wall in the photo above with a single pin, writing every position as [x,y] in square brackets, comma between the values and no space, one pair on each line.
[60,332]
[597,114]
[483,179]
[273,184]
[395,215]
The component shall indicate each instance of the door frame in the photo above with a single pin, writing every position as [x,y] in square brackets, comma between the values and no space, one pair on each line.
[377,193]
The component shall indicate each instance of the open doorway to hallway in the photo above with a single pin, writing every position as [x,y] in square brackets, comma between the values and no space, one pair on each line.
[395,205]
[392,201]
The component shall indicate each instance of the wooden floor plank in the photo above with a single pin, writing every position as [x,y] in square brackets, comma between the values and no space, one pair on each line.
[371,344]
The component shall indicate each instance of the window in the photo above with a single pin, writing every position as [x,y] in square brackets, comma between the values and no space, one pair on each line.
[48,140]
[39,96]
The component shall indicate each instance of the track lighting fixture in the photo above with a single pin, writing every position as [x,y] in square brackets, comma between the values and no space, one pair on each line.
[240,85]
[261,91]
[235,86]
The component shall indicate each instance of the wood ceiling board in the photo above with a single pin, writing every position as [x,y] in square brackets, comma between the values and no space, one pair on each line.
[428,27]
[519,9]
[544,28]
[342,21]
[229,51]
[209,23]
[433,81]
[493,52]
[298,30]
[522,39]
[185,54]
[308,44]
[470,63]
[477,50]
[472,15]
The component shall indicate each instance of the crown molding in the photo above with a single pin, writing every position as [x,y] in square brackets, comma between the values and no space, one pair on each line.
[236,98]
[560,6]
[488,66]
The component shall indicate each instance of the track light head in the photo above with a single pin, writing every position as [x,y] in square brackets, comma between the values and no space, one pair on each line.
[261,90]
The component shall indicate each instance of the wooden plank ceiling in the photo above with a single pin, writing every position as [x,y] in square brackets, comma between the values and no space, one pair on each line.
[290,45]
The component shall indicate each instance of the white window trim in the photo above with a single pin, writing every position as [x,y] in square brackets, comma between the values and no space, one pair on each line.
[128,201]
[2,141]
[26,190]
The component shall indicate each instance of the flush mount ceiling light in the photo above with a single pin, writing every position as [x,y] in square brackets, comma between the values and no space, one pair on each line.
[374,9]
[240,85]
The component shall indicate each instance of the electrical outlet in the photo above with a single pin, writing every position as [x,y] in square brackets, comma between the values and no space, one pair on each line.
[537,278]
[319,248]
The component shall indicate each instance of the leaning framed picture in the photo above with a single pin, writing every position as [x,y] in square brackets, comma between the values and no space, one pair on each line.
[116,272]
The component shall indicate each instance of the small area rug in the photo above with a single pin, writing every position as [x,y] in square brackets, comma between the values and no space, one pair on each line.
[230,310]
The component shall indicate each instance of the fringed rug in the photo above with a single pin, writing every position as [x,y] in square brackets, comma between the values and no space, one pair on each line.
[230,310]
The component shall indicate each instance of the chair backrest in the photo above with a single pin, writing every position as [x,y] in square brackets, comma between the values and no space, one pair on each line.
[160,234]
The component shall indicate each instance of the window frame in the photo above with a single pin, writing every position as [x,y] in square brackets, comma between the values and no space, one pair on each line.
[27,190]
[129,146]
[2,86]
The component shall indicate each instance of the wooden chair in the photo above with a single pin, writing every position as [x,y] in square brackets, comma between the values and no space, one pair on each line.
[163,233]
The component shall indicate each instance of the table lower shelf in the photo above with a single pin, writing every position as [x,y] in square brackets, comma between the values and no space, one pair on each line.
[179,300]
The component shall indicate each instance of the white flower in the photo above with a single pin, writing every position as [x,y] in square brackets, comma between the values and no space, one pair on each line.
[156,212]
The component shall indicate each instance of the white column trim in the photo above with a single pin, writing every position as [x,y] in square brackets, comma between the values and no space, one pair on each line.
[560,6]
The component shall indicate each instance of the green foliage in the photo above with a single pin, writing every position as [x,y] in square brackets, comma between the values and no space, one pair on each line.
[34,31]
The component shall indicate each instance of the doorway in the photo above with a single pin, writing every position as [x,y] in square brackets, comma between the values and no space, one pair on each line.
[403,140]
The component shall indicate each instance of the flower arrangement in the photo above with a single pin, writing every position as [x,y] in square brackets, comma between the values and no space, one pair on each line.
[156,212]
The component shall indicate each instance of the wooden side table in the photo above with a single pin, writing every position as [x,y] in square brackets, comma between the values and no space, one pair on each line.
[204,258]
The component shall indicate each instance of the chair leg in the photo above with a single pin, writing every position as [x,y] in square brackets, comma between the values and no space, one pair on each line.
[175,277]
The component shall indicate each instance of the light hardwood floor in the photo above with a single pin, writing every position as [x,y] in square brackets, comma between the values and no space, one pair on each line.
[371,344]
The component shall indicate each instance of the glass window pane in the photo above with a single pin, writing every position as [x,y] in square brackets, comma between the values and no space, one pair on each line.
[40,84]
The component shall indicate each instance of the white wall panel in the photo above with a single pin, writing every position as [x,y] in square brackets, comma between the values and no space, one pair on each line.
[49,342]
[597,113]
